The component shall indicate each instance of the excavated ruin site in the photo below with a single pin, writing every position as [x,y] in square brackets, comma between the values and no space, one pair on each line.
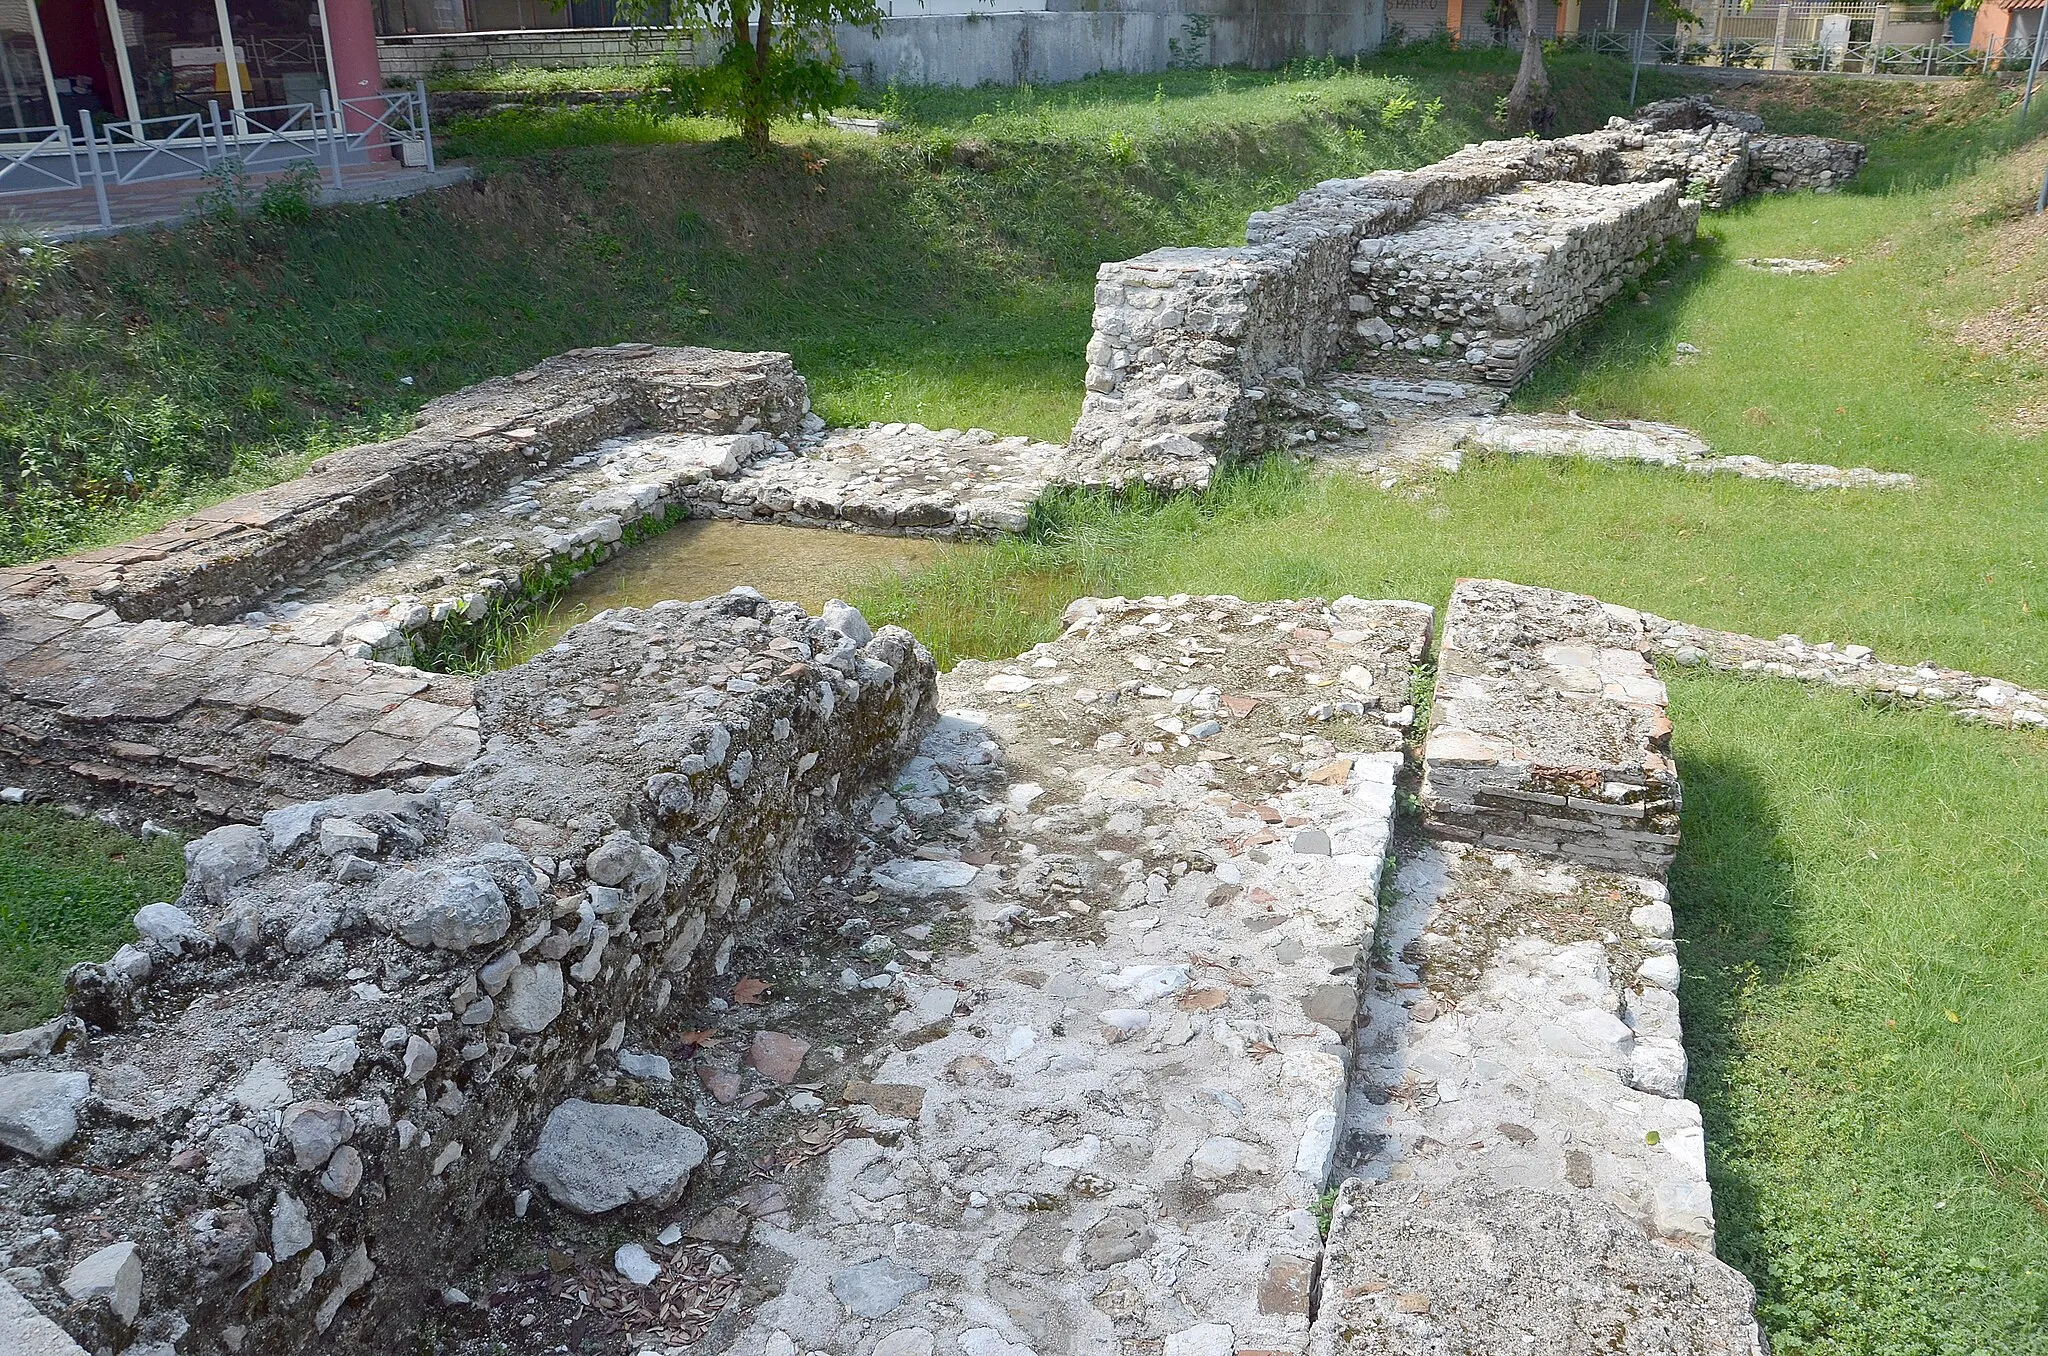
[726,979]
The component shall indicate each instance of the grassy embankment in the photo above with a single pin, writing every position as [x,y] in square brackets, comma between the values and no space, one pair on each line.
[1863,895]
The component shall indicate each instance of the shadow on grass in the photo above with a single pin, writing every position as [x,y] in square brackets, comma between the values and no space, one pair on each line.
[1628,333]
[1736,899]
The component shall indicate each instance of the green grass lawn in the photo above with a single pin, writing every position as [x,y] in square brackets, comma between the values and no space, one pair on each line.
[1862,893]
[68,888]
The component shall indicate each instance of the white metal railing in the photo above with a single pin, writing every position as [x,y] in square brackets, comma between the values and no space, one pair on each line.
[1848,58]
[119,153]
[39,160]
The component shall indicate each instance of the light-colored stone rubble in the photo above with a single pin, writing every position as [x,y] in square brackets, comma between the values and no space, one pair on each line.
[1973,697]
[1807,266]
[1112,1109]
[1443,443]
[1548,731]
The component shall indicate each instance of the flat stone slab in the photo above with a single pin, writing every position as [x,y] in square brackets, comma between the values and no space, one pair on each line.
[896,478]
[1524,1030]
[1548,732]
[1474,1268]
[1443,444]
[1131,1074]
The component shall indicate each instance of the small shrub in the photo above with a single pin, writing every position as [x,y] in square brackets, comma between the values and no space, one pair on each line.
[1397,107]
[288,199]
[228,194]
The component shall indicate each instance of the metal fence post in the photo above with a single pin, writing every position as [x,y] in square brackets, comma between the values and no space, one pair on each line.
[426,126]
[92,152]
[330,125]
[1635,74]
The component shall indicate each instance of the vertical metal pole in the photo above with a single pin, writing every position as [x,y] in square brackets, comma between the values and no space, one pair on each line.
[1636,72]
[2034,67]
[99,185]
[219,142]
[330,123]
[426,126]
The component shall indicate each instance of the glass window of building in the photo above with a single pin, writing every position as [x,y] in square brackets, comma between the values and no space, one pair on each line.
[25,98]
[284,51]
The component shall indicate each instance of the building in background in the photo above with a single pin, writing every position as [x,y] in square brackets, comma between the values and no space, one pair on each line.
[140,62]
[2008,25]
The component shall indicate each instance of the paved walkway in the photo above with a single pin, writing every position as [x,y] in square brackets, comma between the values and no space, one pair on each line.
[72,214]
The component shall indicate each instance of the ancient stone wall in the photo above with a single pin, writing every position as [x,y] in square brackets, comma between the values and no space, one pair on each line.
[312,1072]
[1188,344]
[1548,733]
[208,567]
[1499,282]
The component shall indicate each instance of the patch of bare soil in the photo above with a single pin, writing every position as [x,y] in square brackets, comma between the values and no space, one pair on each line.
[2016,245]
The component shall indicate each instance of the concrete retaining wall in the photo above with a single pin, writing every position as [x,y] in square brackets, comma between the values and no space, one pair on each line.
[964,45]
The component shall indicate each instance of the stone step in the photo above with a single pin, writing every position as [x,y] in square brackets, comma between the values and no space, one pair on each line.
[1113,1107]
[1548,731]
[1524,1028]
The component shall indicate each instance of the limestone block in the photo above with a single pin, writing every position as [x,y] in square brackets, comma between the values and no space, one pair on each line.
[1548,731]
[1449,1268]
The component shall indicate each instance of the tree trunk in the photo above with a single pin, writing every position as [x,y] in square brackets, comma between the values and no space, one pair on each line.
[1529,106]
[755,131]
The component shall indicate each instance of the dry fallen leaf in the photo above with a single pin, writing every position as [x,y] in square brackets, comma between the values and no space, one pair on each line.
[748,991]
[699,1038]
[1202,1000]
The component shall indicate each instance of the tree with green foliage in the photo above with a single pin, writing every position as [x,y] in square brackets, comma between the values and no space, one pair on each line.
[777,58]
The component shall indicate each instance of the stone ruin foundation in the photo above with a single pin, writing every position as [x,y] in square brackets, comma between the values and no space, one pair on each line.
[728,979]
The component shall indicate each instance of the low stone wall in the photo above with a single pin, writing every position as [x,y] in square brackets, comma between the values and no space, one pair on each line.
[1789,164]
[307,1081]
[405,57]
[1188,344]
[211,565]
[1500,282]
[1548,731]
